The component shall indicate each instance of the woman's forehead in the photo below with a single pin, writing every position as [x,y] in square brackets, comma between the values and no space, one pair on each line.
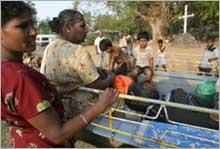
[24,18]
[18,20]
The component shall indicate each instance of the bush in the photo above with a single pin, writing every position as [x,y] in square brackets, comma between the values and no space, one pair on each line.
[213,34]
[90,39]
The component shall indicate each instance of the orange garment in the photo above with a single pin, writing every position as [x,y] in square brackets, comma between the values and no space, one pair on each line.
[122,83]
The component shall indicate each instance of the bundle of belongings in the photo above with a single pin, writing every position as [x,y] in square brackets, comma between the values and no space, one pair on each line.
[191,117]
[205,96]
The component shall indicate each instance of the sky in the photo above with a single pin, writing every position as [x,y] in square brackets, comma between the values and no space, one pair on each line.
[52,8]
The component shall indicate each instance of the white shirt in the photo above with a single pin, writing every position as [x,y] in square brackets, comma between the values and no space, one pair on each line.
[161,54]
[143,57]
[122,43]
[97,41]
[207,55]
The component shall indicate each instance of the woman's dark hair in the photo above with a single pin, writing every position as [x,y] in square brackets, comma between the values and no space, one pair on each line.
[105,44]
[160,41]
[13,9]
[144,35]
[66,16]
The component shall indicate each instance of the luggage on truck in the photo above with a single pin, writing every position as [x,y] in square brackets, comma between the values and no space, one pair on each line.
[188,116]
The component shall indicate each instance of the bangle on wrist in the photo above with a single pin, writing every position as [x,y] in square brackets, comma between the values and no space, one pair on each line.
[83,119]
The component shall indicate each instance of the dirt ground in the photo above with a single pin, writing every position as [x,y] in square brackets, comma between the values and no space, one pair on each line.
[179,60]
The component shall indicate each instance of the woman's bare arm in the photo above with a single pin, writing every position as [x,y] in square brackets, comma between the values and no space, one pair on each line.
[49,123]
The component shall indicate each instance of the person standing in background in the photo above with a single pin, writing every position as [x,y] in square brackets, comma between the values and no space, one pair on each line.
[210,58]
[129,47]
[161,60]
[98,51]
[122,41]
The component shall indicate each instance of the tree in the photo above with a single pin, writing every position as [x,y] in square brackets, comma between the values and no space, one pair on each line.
[206,19]
[105,22]
[154,14]
[76,4]
[89,20]
[43,27]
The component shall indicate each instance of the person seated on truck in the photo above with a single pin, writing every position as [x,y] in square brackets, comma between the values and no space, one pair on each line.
[210,58]
[118,61]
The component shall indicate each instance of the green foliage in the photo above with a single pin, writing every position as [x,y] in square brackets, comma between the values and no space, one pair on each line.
[88,18]
[105,22]
[206,17]
[141,15]
[76,4]
[137,16]
[90,39]
[43,27]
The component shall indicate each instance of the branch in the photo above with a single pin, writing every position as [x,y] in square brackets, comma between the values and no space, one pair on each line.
[146,18]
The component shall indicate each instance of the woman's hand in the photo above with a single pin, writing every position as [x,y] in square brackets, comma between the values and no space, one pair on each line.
[107,98]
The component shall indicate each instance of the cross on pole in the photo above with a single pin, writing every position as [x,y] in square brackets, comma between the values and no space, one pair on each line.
[185,16]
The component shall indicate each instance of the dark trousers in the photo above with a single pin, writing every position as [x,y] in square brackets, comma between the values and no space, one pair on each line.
[122,70]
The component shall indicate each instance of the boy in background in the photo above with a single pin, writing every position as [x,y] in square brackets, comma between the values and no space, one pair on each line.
[143,54]
[210,55]
[161,61]
[118,61]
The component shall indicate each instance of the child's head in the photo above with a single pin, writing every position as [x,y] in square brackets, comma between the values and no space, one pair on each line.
[143,38]
[121,34]
[105,45]
[210,41]
[134,73]
[100,34]
[138,69]
[160,42]
[149,73]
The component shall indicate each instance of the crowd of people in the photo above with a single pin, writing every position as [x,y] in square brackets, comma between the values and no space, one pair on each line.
[142,55]
[46,109]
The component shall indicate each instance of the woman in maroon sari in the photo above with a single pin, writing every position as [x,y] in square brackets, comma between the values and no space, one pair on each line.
[28,101]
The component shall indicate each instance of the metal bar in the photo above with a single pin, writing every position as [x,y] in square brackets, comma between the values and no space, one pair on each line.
[172,122]
[134,135]
[148,100]
[141,115]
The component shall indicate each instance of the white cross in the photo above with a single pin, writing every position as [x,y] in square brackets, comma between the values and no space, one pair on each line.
[185,18]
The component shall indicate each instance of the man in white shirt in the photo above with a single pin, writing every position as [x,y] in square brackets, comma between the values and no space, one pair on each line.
[129,47]
[143,54]
[122,41]
[210,56]
[98,51]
